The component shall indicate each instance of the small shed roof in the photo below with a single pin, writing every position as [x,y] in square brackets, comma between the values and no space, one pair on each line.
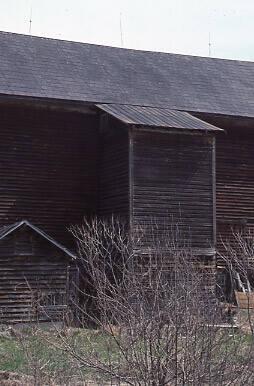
[8,229]
[156,117]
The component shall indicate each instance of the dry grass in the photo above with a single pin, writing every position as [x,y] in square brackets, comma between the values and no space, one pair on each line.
[30,355]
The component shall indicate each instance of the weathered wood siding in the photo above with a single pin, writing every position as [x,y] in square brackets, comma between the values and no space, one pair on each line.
[235,185]
[34,282]
[113,198]
[48,163]
[172,186]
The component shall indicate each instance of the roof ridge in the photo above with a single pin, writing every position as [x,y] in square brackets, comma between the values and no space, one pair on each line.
[125,48]
[82,72]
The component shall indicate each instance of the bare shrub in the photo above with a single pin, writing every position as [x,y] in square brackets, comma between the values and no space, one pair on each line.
[238,257]
[155,310]
[148,314]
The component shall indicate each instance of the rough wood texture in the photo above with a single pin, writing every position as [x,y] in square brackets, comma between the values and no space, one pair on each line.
[173,196]
[113,198]
[244,301]
[47,168]
[235,185]
[34,279]
[173,185]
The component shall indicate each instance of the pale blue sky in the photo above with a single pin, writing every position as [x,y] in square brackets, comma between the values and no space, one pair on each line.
[178,26]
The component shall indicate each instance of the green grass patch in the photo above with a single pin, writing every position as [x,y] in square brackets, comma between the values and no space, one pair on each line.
[36,352]
[11,355]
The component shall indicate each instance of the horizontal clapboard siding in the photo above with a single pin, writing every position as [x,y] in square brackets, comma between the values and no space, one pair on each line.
[18,285]
[173,186]
[114,171]
[235,186]
[48,163]
[34,285]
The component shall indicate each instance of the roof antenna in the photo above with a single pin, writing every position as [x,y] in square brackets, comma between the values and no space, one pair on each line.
[121,29]
[210,45]
[30,20]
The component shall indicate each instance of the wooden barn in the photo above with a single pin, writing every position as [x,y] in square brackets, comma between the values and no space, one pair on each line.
[89,130]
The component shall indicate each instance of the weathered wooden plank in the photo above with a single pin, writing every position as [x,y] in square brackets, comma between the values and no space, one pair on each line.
[113,170]
[48,168]
[235,186]
[173,184]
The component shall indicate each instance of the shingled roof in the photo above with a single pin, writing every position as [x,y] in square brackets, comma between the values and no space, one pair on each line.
[49,68]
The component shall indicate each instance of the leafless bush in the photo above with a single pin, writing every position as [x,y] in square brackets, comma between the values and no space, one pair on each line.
[238,257]
[148,314]
[156,311]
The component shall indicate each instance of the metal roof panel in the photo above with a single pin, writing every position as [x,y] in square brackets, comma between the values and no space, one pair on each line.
[156,117]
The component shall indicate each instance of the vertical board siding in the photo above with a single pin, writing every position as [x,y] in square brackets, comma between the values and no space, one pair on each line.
[173,186]
[47,168]
[235,186]
[113,171]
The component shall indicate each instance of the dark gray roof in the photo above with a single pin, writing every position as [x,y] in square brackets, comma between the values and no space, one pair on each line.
[156,117]
[7,229]
[40,67]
